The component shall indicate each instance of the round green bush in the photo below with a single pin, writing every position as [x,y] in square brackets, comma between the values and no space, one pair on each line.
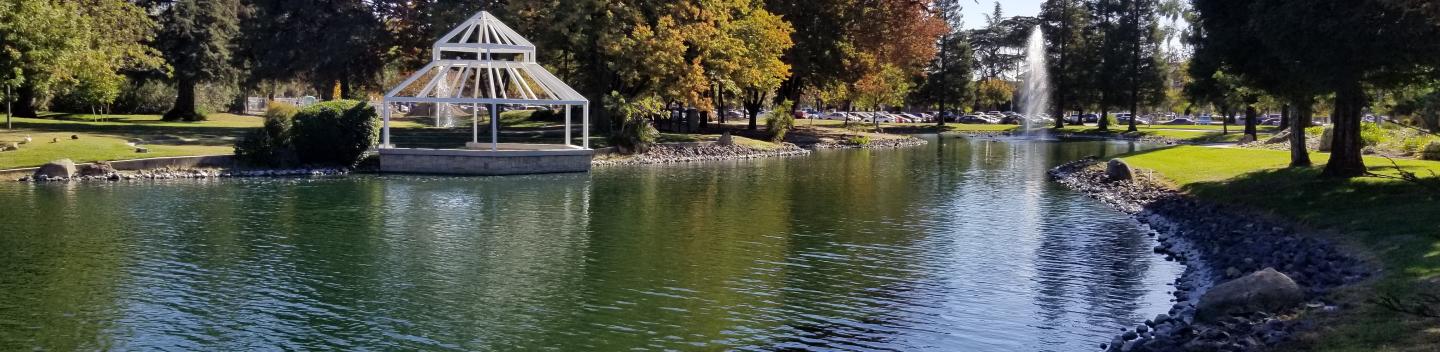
[335,132]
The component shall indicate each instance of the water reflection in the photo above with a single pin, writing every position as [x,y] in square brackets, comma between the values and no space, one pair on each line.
[960,245]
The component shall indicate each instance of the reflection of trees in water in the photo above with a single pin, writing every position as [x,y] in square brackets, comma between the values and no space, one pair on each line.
[58,287]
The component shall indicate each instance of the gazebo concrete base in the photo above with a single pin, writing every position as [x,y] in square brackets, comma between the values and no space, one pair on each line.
[509,159]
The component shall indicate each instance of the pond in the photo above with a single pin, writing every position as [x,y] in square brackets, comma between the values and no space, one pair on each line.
[960,245]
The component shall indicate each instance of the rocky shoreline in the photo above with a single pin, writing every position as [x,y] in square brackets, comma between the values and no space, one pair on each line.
[685,153]
[1218,245]
[890,143]
[665,153]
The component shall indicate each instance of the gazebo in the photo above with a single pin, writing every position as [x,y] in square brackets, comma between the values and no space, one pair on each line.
[485,63]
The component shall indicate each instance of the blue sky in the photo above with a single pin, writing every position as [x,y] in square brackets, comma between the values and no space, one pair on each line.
[975,10]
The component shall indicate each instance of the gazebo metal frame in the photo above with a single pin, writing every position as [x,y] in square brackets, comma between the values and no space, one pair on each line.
[485,62]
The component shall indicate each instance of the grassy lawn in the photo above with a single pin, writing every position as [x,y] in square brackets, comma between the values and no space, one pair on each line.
[105,137]
[741,141]
[1187,135]
[1392,221]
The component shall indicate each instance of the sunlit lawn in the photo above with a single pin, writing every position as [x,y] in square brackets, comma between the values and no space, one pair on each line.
[105,137]
[1395,221]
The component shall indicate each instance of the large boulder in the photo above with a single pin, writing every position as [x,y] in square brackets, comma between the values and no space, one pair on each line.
[1262,291]
[100,168]
[56,169]
[1118,170]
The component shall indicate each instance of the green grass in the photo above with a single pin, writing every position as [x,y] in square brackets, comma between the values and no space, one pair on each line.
[666,137]
[105,138]
[1185,135]
[1392,221]
[90,148]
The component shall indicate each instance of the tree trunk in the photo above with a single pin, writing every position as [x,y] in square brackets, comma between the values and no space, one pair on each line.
[25,102]
[1284,117]
[1299,152]
[1250,116]
[1103,123]
[1346,160]
[944,82]
[184,109]
[754,99]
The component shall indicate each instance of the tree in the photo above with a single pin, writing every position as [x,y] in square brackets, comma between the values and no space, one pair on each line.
[325,43]
[994,94]
[79,48]
[949,78]
[886,87]
[1063,22]
[197,38]
[1346,46]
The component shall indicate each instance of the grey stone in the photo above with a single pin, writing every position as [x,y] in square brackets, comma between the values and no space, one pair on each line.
[55,169]
[142,150]
[1262,291]
[1118,170]
[725,138]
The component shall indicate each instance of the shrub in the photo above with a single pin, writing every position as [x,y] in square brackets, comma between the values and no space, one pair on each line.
[860,140]
[335,132]
[1432,151]
[270,145]
[780,121]
[1371,134]
[636,135]
[146,97]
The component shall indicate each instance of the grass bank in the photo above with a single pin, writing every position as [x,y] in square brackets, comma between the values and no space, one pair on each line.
[108,137]
[1393,222]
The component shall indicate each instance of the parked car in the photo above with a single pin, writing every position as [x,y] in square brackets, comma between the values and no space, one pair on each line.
[973,119]
[838,116]
[1204,120]
[1180,121]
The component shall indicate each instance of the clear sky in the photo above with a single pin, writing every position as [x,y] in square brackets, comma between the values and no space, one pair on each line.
[975,10]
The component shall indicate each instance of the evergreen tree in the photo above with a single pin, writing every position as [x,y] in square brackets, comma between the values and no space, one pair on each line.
[198,38]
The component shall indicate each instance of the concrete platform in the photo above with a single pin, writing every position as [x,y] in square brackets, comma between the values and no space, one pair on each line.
[510,159]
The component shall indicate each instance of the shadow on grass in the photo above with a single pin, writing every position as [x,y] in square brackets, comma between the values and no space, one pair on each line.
[146,132]
[1393,221]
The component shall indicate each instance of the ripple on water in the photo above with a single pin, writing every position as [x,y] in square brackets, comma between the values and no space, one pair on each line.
[957,245]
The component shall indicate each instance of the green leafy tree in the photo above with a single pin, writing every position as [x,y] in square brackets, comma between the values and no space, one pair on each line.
[198,38]
[79,48]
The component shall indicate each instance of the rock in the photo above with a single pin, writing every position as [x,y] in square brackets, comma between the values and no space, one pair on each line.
[725,138]
[56,169]
[142,150]
[27,140]
[101,168]
[74,136]
[1262,291]
[1327,138]
[11,146]
[1282,137]
[1118,170]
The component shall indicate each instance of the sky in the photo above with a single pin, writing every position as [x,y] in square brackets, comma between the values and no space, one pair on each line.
[975,10]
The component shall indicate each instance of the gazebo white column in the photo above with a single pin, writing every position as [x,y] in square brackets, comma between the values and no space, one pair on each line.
[484,46]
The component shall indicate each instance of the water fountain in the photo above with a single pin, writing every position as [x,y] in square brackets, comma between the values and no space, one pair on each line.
[1035,95]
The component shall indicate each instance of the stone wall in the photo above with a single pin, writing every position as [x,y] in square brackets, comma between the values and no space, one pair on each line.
[469,162]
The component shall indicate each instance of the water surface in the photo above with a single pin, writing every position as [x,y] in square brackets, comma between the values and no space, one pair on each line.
[958,245]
